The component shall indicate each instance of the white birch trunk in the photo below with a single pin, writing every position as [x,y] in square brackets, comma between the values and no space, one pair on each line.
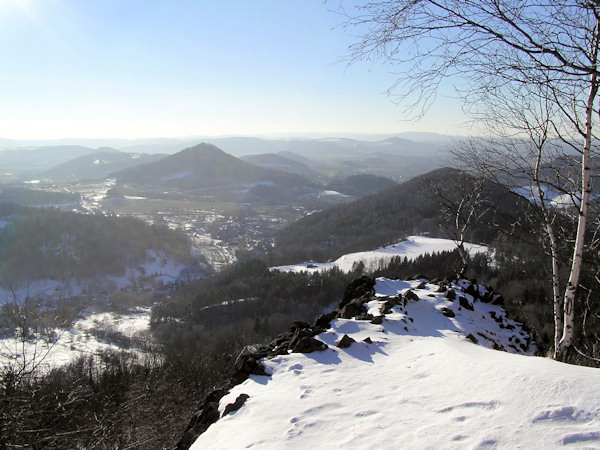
[586,188]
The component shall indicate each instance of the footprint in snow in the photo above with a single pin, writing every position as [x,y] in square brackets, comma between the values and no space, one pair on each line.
[296,368]
[492,404]
[563,413]
[589,437]
[306,391]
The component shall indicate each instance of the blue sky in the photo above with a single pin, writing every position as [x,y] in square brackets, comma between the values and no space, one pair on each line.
[146,68]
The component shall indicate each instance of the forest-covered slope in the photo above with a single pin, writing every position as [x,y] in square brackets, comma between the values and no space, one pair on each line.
[388,216]
[48,243]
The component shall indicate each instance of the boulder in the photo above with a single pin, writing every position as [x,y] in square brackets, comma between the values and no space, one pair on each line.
[248,362]
[307,344]
[206,416]
[410,295]
[451,294]
[447,312]
[364,316]
[304,342]
[345,342]
[462,300]
[497,299]
[352,309]
[472,338]
[324,320]
[237,404]
[361,287]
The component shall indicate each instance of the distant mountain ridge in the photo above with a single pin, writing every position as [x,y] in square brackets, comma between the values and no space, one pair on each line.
[96,166]
[204,166]
[280,162]
[31,160]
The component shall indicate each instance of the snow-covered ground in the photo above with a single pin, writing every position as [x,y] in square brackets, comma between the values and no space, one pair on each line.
[156,269]
[555,198]
[419,384]
[92,195]
[87,336]
[411,248]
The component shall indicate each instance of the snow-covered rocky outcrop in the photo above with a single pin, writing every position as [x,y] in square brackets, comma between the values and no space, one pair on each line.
[396,365]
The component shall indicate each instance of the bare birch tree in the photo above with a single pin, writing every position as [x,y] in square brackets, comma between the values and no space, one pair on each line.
[503,51]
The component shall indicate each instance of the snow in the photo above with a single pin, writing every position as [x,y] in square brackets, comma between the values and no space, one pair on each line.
[92,195]
[419,384]
[332,194]
[157,268]
[134,197]
[531,193]
[81,338]
[411,248]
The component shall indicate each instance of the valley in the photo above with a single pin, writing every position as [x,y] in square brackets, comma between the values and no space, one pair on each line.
[228,209]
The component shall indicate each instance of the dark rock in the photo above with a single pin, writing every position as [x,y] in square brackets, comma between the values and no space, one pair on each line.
[308,344]
[472,338]
[299,325]
[317,330]
[377,320]
[304,342]
[465,303]
[364,316]
[324,320]
[248,361]
[239,401]
[363,286]
[352,309]
[390,302]
[206,416]
[410,295]
[421,285]
[497,299]
[367,340]
[345,342]
[447,312]
[281,339]
[440,288]
[431,295]
[470,289]
[450,294]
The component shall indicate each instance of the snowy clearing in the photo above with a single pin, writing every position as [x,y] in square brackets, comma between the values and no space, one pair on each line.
[87,336]
[411,248]
[419,384]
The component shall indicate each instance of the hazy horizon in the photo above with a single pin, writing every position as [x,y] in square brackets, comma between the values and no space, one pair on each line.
[146,69]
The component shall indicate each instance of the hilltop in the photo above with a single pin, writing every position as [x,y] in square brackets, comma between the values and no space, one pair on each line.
[204,166]
[390,215]
[420,371]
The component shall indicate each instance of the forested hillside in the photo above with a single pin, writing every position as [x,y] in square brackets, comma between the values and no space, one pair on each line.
[412,207]
[49,243]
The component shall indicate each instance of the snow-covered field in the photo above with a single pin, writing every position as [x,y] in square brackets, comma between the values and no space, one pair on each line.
[411,248]
[87,336]
[419,384]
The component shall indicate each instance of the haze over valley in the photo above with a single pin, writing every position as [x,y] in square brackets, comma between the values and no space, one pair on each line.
[291,224]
